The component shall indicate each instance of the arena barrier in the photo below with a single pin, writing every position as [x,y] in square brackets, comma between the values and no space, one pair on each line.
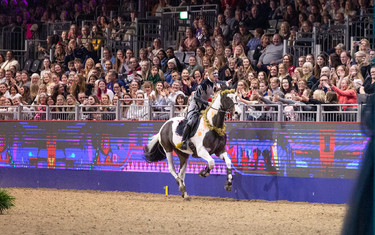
[294,161]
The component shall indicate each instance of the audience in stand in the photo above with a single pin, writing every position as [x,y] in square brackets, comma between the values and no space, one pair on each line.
[239,44]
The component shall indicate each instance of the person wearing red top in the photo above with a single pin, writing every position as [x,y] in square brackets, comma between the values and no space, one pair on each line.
[345,95]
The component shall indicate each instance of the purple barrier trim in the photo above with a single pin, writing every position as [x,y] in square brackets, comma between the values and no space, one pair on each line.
[271,188]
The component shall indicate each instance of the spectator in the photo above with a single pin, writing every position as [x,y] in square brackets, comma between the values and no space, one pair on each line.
[193,65]
[189,43]
[138,111]
[273,53]
[102,89]
[308,75]
[223,25]
[261,48]
[154,75]
[10,61]
[176,90]
[156,49]
[257,20]
[345,95]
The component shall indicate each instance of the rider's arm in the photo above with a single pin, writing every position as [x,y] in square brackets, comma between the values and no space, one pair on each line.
[198,95]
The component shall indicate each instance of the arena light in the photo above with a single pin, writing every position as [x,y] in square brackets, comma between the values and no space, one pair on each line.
[184,15]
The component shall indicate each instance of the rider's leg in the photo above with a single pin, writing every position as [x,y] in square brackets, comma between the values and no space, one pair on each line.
[186,135]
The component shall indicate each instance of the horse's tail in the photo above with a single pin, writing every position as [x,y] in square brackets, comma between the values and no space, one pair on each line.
[153,151]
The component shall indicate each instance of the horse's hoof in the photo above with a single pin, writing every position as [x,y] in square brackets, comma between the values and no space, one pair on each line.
[204,173]
[228,186]
[187,198]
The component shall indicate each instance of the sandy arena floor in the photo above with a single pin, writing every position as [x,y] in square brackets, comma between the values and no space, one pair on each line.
[51,211]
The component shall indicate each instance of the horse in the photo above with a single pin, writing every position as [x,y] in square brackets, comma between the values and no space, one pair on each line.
[210,138]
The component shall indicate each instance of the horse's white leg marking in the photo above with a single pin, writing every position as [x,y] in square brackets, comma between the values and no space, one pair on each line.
[202,152]
[182,172]
[171,167]
[228,162]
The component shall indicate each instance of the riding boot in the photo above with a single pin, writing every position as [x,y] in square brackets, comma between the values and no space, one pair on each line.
[185,137]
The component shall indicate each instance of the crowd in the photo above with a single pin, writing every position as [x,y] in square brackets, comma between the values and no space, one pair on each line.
[238,48]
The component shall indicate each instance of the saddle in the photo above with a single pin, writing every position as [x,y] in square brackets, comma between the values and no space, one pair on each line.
[180,130]
[181,126]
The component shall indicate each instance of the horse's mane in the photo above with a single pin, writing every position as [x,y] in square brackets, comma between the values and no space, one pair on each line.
[220,131]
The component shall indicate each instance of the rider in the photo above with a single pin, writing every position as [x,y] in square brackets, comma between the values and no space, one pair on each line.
[204,91]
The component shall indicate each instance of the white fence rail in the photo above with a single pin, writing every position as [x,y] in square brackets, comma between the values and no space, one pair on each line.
[146,112]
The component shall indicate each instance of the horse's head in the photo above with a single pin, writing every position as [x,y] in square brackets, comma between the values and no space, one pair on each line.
[229,103]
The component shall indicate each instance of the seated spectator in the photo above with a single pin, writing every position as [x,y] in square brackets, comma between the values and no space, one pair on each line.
[4,90]
[10,61]
[180,106]
[9,112]
[41,109]
[257,19]
[223,25]
[254,42]
[356,77]
[308,76]
[105,107]
[137,110]
[154,75]
[160,100]
[360,58]
[156,48]
[188,84]
[102,89]
[145,69]
[107,56]
[189,43]
[369,84]
[284,30]
[291,16]
[175,91]
[193,65]
[261,48]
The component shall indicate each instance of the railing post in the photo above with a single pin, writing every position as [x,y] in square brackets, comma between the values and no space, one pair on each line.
[314,38]
[101,54]
[243,108]
[318,113]
[149,114]
[76,112]
[118,110]
[172,109]
[280,113]
[48,112]
[285,47]
[20,108]
[359,114]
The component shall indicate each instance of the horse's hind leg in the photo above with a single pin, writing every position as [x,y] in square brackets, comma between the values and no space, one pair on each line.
[228,162]
[172,170]
[181,176]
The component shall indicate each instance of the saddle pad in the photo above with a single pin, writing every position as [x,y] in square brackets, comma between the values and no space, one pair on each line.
[181,126]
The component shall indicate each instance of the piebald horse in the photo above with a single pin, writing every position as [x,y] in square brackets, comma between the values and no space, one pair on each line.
[210,138]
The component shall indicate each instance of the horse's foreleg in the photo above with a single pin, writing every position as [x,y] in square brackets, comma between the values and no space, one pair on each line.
[228,162]
[202,152]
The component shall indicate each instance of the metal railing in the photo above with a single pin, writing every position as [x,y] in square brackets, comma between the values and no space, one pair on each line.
[148,111]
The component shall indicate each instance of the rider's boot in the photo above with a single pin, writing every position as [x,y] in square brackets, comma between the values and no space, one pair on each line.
[185,137]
